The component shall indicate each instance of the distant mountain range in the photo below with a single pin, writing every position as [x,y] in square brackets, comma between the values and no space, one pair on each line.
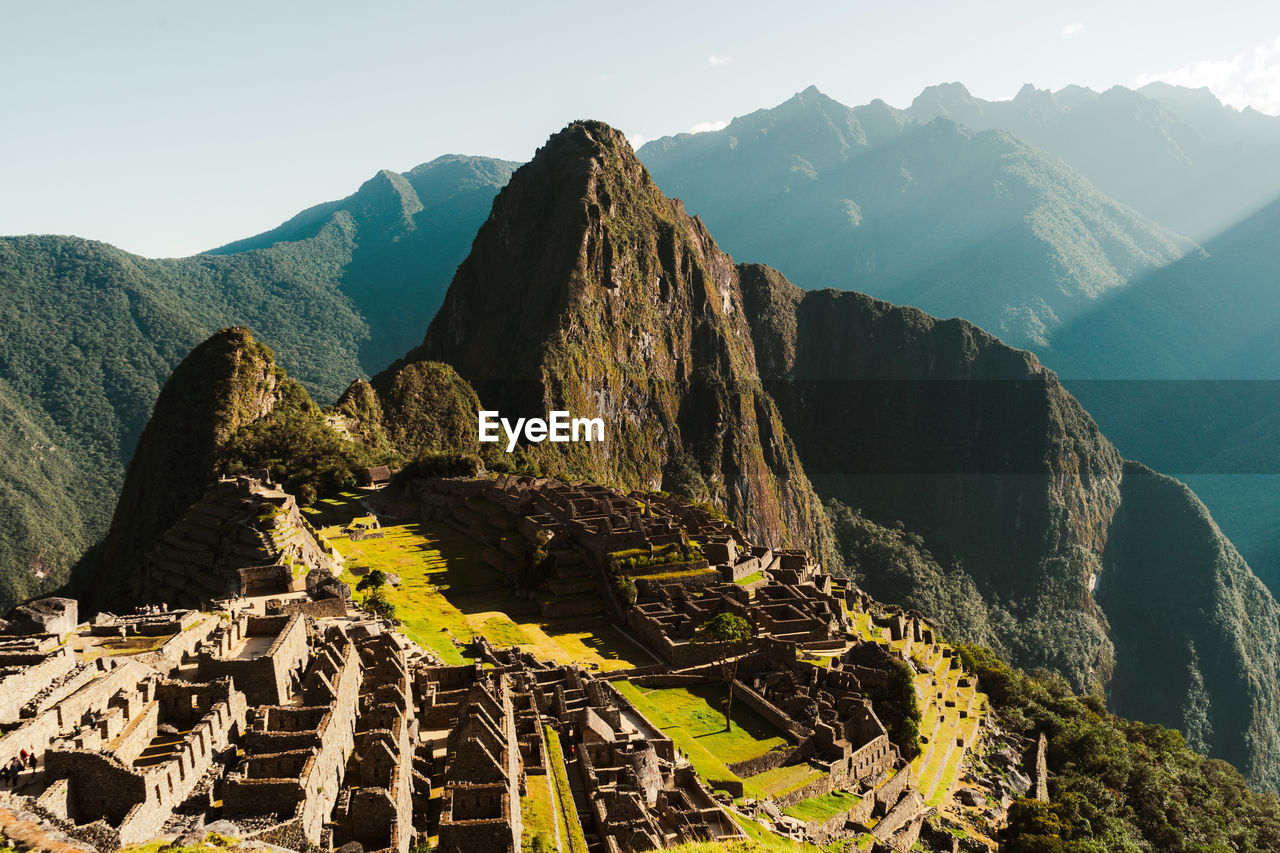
[588,289]
[91,334]
[975,225]
[1176,155]
[961,206]
[946,206]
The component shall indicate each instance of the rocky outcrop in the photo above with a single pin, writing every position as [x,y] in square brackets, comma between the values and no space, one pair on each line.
[228,381]
[978,448]
[588,290]
[1194,629]
[971,443]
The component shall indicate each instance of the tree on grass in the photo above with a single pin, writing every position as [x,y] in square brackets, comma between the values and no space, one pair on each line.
[376,603]
[374,580]
[729,632]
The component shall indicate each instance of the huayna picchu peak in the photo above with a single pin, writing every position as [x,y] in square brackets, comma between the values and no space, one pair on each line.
[588,290]
[775,605]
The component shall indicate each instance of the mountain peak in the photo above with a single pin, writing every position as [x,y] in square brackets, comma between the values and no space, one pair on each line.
[585,271]
[225,382]
[952,100]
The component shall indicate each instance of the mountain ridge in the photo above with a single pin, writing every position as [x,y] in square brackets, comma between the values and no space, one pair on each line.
[916,216]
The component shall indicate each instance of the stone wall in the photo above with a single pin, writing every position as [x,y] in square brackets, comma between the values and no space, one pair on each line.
[653,585]
[890,792]
[796,730]
[301,776]
[18,685]
[138,801]
[268,678]
[179,648]
[325,608]
[769,761]
[38,733]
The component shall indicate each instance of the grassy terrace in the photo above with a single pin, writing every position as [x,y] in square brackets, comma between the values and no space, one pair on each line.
[538,812]
[571,836]
[447,592]
[823,808]
[938,764]
[693,717]
[764,841]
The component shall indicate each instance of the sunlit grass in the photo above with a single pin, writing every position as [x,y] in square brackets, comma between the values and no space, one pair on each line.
[448,593]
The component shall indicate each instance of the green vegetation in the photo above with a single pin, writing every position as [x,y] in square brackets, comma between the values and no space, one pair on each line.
[1116,785]
[693,719]
[784,780]
[761,840]
[299,447]
[898,707]
[727,632]
[566,812]
[426,409]
[824,807]
[538,813]
[373,580]
[448,593]
[376,602]
[92,333]
[893,564]
[637,562]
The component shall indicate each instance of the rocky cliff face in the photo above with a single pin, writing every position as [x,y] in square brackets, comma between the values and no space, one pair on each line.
[1194,629]
[226,382]
[970,443]
[978,448]
[588,290]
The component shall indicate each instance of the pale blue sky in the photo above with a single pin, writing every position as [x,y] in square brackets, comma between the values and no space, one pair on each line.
[168,127]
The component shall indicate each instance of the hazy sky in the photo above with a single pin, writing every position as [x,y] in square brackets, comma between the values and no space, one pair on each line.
[170,127]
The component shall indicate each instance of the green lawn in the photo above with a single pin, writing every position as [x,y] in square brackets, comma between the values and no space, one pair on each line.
[747,580]
[784,780]
[538,813]
[571,836]
[447,592]
[693,717]
[823,808]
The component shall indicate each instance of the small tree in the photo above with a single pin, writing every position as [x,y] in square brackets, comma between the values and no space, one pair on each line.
[374,581]
[625,588]
[377,604]
[729,632]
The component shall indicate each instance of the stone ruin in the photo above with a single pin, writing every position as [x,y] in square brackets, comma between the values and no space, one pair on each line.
[312,728]
[45,616]
[244,536]
[636,794]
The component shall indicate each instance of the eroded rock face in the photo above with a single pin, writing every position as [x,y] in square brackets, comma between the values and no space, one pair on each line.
[228,381]
[978,448]
[590,291]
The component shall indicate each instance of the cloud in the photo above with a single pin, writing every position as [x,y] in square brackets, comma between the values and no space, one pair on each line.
[719,60]
[1250,79]
[636,140]
[706,126]
[1072,29]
